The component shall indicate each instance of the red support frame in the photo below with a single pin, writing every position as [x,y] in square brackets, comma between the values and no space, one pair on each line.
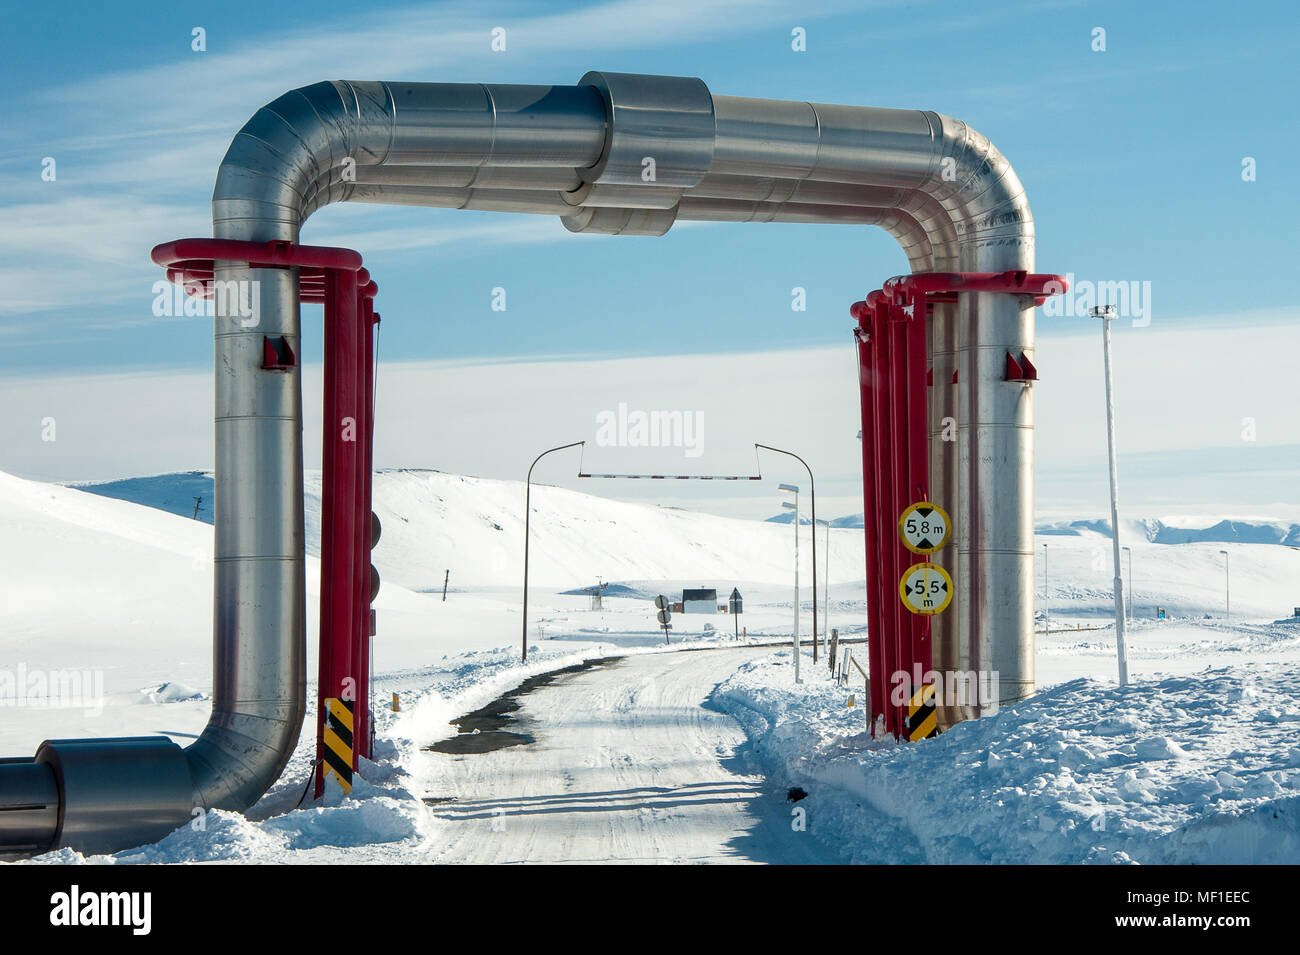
[335,278]
[893,378]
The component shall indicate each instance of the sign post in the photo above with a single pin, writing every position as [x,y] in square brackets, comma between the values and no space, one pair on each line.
[665,615]
[925,590]
[735,606]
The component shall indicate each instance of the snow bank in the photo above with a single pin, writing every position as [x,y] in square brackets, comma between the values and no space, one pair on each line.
[1193,769]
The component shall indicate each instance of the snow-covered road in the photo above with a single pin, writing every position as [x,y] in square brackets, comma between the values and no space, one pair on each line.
[627,766]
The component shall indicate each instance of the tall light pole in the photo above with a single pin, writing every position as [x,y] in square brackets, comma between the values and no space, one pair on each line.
[794,489]
[1047,612]
[812,490]
[1129,603]
[1227,587]
[826,583]
[1106,313]
[528,513]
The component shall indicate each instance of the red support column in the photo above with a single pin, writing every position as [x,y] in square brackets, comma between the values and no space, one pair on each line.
[918,462]
[363,505]
[898,499]
[885,533]
[895,458]
[339,497]
[360,541]
[870,395]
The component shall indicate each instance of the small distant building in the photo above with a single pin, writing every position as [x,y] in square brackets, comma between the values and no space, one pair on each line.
[700,600]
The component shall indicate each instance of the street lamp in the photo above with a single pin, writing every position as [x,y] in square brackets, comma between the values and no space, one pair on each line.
[1227,588]
[1107,313]
[794,489]
[1129,605]
[528,513]
[812,493]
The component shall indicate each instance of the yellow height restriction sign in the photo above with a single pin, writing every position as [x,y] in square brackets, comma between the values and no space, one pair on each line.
[924,527]
[925,589]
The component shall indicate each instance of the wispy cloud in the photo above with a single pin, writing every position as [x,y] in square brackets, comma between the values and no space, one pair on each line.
[137,149]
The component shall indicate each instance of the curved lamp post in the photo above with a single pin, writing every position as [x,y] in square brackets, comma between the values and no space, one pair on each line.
[812,493]
[528,512]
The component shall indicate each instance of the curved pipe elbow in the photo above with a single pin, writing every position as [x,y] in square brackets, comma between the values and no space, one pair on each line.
[987,202]
[240,755]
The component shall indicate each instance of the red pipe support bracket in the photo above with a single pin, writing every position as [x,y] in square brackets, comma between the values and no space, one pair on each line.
[893,377]
[335,278]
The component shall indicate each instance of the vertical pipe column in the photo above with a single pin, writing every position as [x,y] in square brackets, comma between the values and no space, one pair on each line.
[995,531]
[339,498]
[259,586]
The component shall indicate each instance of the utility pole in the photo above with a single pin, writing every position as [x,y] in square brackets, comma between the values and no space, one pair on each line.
[1106,313]
[794,489]
[1128,604]
[1047,611]
[1227,587]
[826,596]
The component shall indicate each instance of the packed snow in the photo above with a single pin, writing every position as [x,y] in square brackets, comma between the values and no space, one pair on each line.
[105,631]
[1178,769]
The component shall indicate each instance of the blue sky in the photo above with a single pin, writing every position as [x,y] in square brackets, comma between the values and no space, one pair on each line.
[1131,157]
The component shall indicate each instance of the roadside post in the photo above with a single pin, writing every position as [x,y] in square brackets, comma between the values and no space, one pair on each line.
[665,614]
[925,589]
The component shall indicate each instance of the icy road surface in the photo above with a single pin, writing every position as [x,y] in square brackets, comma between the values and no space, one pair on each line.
[627,766]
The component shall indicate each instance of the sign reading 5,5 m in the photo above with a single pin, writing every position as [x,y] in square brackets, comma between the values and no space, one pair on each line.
[925,589]
[924,527]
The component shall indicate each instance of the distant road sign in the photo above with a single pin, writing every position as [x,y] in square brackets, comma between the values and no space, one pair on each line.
[664,614]
[925,589]
[924,527]
[736,604]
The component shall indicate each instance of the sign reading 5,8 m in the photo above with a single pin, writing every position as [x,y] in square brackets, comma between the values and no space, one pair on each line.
[924,527]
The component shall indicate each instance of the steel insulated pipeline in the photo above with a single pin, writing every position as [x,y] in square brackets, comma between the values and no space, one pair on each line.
[619,154]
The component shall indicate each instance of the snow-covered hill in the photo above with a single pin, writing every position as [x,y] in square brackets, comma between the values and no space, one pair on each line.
[435,522]
[1184,532]
[122,592]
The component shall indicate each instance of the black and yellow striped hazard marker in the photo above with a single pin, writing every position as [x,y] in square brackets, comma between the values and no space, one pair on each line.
[922,721]
[338,741]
